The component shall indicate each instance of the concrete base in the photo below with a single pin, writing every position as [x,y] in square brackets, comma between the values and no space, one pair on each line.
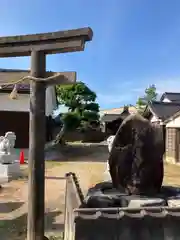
[9,172]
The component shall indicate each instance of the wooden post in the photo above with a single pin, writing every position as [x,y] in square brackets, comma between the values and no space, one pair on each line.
[36,161]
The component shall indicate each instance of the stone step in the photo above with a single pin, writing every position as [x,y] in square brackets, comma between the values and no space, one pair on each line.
[174,203]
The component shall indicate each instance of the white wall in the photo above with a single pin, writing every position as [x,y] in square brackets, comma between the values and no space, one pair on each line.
[166,100]
[51,103]
[154,119]
[21,104]
[174,123]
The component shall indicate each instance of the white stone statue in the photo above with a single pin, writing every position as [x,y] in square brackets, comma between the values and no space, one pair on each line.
[9,163]
[12,138]
[7,144]
[109,143]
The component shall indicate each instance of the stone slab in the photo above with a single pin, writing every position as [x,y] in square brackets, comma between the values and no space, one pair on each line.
[146,202]
[9,172]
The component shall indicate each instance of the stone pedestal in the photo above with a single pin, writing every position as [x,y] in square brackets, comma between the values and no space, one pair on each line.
[9,166]
[9,172]
[7,158]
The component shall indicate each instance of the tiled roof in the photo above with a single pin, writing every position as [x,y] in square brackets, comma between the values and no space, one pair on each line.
[136,213]
[172,96]
[174,116]
[110,117]
[164,110]
[132,109]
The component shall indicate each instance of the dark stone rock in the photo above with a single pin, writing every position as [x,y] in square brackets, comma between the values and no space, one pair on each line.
[169,191]
[136,158]
[103,195]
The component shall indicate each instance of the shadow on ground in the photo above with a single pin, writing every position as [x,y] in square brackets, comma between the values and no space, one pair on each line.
[16,229]
[78,152]
[54,178]
[7,207]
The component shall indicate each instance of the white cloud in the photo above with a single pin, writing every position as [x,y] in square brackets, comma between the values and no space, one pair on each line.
[162,85]
[129,93]
[168,85]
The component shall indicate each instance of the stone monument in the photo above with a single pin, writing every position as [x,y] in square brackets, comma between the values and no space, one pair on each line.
[136,158]
[9,164]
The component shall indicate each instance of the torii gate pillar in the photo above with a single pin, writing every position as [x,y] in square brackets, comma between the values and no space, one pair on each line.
[36,184]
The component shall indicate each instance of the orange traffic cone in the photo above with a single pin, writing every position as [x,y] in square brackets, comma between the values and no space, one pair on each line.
[21,157]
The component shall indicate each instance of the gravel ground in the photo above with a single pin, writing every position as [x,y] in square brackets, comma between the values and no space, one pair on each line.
[82,160]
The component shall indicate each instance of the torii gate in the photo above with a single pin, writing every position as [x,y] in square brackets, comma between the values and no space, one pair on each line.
[38,46]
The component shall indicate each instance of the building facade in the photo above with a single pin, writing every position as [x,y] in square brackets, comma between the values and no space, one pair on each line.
[14,111]
[166,112]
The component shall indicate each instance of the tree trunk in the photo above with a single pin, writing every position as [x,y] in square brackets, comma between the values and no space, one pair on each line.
[60,135]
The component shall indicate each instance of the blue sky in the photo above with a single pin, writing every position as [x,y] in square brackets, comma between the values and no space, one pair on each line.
[135,43]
